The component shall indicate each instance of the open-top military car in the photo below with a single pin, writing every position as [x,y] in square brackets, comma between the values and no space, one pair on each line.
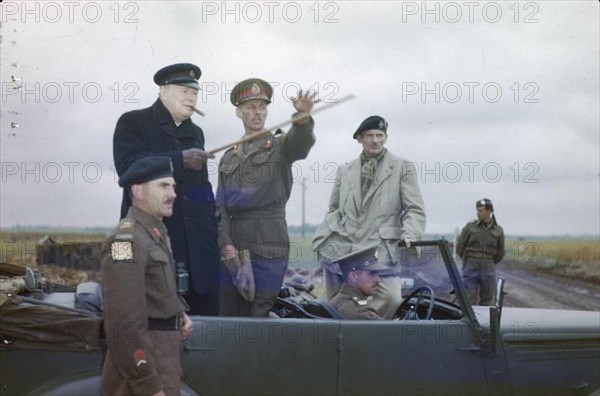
[438,345]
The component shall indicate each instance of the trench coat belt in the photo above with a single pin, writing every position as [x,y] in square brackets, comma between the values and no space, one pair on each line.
[172,323]
[273,212]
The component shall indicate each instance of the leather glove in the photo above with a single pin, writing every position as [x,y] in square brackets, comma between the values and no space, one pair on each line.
[241,274]
[195,159]
[245,277]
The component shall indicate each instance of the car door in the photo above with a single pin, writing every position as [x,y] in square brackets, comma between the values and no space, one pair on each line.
[410,357]
[251,356]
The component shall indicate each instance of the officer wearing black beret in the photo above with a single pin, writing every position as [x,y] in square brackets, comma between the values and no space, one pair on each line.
[361,277]
[166,129]
[255,182]
[373,122]
[140,298]
[376,201]
[146,169]
[481,247]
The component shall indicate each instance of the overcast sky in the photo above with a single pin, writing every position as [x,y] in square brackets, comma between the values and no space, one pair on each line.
[488,99]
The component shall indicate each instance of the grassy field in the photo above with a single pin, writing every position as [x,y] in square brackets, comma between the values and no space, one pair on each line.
[574,258]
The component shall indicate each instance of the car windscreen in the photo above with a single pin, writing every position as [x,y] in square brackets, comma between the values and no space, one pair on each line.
[424,266]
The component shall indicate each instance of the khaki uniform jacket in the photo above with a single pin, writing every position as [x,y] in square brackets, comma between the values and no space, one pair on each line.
[391,210]
[138,282]
[352,303]
[255,182]
[481,242]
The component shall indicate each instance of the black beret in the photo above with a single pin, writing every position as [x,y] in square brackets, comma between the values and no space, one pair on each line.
[184,74]
[485,202]
[252,88]
[146,169]
[372,122]
[362,260]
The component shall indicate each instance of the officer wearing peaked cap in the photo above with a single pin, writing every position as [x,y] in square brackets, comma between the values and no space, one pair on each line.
[252,88]
[481,247]
[144,317]
[183,74]
[255,182]
[361,276]
[166,129]
[376,201]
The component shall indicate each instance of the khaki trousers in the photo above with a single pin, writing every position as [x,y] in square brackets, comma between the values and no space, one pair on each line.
[166,357]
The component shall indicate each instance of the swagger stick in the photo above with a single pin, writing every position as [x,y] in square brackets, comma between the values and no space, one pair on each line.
[282,124]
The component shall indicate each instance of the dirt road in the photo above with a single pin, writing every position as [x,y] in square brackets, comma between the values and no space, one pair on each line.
[530,289]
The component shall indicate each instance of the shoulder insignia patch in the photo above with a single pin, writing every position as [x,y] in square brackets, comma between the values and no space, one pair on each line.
[121,251]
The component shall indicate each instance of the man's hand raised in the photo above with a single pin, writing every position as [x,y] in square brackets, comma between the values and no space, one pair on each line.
[303,104]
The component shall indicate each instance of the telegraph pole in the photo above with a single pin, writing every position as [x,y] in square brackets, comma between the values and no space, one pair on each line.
[303,184]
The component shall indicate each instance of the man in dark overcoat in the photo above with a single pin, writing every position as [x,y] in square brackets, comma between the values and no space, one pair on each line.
[166,129]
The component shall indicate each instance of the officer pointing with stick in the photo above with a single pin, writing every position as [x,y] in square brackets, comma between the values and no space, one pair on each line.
[255,182]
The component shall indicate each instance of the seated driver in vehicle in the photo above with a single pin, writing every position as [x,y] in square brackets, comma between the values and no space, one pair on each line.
[361,277]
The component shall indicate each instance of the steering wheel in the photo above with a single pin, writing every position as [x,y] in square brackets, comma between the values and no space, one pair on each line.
[411,311]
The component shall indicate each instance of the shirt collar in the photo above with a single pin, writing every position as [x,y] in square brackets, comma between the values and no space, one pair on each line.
[153,225]
[484,225]
[354,291]
[164,116]
[363,156]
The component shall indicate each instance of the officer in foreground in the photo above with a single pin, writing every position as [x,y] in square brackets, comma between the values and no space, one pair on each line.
[361,277]
[255,182]
[144,317]
[481,247]
[166,129]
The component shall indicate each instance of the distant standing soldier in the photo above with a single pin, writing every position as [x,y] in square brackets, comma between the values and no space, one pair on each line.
[481,247]
[255,182]
[144,317]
